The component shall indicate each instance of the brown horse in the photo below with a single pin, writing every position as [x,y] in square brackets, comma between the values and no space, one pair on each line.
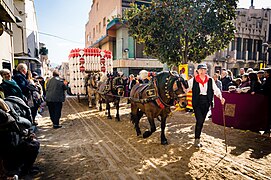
[91,86]
[110,91]
[154,100]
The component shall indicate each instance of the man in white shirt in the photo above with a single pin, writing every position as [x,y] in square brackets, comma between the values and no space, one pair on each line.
[204,89]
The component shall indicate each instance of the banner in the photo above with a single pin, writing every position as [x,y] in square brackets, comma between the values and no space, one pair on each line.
[242,111]
[183,69]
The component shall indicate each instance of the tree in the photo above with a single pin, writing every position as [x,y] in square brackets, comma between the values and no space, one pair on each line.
[178,31]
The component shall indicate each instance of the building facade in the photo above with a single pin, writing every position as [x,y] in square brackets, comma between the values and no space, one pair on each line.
[103,30]
[251,45]
[26,37]
[7,21]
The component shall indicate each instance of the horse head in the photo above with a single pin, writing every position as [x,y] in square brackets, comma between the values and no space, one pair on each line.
[92,80]
[118,85]
[170,85]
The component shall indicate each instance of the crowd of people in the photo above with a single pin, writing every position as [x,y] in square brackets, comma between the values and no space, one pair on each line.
[23,95]
[249,81]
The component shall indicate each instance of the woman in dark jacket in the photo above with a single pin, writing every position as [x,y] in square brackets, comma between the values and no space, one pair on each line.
[254,82]
[9,86]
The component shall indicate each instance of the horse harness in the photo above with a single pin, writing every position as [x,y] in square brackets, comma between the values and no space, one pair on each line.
[152,94]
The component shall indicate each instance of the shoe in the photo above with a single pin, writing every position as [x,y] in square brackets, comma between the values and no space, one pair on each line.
[197,143]
[57,126]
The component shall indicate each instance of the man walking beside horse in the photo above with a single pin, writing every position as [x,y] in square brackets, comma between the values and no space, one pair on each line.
[204,89]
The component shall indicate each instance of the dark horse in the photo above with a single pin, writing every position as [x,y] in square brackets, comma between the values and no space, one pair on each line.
[110,91]
[154,99]
[91,81]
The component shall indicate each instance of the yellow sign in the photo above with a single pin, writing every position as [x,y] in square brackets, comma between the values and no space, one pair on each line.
[183,69]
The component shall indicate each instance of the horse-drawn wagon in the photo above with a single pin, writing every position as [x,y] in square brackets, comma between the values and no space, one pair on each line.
[84,64]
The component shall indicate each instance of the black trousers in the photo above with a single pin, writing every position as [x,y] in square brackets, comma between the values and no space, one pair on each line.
[201,109]
[55,111]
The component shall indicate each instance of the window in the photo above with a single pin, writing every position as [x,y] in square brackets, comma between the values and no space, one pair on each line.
[93,32]
[88,38]
[97,6]
[99,27]
[104,21]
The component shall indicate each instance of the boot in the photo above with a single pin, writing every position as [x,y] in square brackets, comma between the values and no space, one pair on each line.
[197,143]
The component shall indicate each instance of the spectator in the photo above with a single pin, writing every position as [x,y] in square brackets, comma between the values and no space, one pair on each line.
[143,74]
[230,74]
[266,89]
[260,75]
[245,81]
[9,86]
[55,96]
[241,73]
[19,147]
[217,81]
[254,82]
[21,79]
[225,80]
[130,83]
[249,70]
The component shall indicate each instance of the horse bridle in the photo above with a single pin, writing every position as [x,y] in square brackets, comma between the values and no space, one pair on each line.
[167,91]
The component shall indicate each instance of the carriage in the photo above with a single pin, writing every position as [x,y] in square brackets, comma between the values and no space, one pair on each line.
[83,63]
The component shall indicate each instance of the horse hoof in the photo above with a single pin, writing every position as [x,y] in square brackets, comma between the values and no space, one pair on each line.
[164,142]
[147,134]
[109,117]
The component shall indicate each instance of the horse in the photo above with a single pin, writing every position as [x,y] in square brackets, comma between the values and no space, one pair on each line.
[110,91]
[91,88]
[154,100]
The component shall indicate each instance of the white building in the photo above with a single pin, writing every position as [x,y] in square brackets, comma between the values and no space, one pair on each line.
[7,20]
[26,37]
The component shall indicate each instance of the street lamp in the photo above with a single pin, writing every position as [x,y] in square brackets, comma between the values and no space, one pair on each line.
[265,47]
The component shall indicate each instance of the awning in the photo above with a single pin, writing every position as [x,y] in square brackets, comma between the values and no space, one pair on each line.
[25,58]
[6,12]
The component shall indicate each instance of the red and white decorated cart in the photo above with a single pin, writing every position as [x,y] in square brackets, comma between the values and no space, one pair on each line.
[82,61]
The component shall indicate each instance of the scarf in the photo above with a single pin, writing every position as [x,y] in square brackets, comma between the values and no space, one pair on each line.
[12,83]
[200,81]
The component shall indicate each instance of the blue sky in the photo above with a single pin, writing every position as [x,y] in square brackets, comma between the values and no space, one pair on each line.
[67,19]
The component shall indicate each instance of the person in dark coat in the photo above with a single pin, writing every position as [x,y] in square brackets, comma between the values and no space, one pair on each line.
[21,79]
[55,96]
[266,90]
[225,80]
[254,83]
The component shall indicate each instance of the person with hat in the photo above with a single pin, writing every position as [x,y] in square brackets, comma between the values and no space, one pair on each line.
[260,75]
[204,88]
